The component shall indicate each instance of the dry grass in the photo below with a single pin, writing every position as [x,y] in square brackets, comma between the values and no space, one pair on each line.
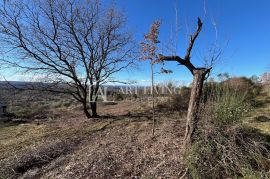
[112,146]
[255,119]
[27,146]
[224,147]
[118,145]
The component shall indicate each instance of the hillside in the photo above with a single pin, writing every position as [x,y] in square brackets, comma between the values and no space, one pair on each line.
[117,145]
[260,118]
[109,147]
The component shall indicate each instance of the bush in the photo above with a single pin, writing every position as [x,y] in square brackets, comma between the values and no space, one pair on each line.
[177,102]
[233,86]
[229,106]
[224,148]
[229,153]
[119,97]
[243,85]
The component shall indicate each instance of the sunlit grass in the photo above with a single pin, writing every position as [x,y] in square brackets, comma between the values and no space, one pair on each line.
[261,111]
[18,137]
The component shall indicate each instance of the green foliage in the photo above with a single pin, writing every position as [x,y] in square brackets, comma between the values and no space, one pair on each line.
[230,100]
[229,106]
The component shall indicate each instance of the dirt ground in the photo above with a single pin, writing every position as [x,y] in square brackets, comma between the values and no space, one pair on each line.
[113,146]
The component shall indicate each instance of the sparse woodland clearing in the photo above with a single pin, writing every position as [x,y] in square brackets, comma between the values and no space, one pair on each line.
[117,145]
[73,146]
[76,106]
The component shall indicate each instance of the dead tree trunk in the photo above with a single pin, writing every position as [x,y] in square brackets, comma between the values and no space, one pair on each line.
[199,76]
[194,104]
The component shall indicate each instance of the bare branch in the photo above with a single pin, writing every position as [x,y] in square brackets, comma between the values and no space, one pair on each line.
[74,44]
[193,39]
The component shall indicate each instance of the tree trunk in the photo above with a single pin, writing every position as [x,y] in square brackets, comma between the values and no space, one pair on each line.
[194,105]
[85,110]
[93,106]
[93,100]
[153,99]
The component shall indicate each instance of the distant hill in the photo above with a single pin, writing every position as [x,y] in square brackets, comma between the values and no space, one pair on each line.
[20,84]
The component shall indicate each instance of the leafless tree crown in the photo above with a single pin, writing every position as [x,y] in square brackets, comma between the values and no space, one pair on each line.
[77,43]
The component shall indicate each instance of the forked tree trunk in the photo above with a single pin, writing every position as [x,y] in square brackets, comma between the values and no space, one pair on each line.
[93,100]
[194,105]
[93,106]
[199,75]
[85,110]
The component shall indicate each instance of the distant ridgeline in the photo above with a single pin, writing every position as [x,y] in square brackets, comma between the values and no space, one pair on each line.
[21,84]
[30,85]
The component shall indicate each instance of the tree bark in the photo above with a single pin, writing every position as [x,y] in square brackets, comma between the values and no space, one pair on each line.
[194,104]
[199,76]
[85,110]
[153,99]
[93,106]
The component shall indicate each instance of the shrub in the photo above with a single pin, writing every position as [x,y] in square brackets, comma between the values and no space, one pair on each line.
[176,102]
[229,153]
[243,85]
[229,106]
[119,97]
[224,148]
[134,96]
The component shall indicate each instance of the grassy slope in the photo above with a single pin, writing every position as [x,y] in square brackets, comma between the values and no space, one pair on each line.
[76,147]
[114,146]
[260,117]
[24,145]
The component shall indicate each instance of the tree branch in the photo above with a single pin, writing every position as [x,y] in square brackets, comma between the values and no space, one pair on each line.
[193,39]
[186,61]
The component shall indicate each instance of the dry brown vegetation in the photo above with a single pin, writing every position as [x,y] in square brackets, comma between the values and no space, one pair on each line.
[119,144]
[227,145]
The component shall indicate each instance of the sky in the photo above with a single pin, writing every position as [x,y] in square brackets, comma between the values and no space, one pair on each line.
[240,28]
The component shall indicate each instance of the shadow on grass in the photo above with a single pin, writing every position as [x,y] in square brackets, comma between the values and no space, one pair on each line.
[262,104]
[11,122]
[40,156]
[4,124]
[134,117]
[261,119]
[252,133]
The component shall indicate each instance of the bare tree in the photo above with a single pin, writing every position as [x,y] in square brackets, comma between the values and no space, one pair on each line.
[76,46]
[149,50]
[199,76]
